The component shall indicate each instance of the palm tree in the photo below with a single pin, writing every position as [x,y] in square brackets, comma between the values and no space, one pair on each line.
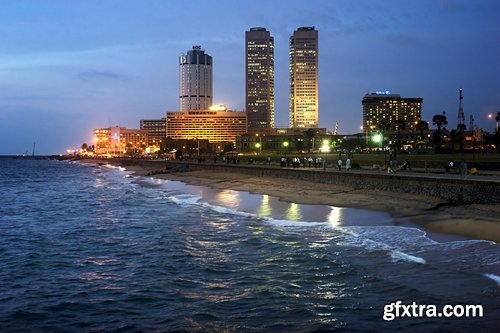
[439,120]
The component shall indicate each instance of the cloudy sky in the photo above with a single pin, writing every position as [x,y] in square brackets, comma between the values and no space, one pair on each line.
[67,67]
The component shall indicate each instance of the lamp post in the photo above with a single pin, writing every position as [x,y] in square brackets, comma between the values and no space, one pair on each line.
[325,148]
[379,138]
[259,144]
[285,145]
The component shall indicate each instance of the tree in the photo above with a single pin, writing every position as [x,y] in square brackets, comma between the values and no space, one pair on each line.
[398,125]
[497,133]
[453,138]
[460,135]
[422,126]
[439,120]
[84,146]
[309,136]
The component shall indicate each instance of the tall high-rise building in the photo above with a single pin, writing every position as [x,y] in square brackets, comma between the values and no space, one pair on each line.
[382,106]
[304,102]
[259,78]
[195,80]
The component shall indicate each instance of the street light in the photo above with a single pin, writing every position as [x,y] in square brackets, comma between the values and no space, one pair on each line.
[285,145]
[325,148]
[259,147]
[259,144]
[379,138]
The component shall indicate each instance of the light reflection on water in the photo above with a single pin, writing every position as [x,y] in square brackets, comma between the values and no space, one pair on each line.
[335,216]
[148,263]
[265,208]
[293,212]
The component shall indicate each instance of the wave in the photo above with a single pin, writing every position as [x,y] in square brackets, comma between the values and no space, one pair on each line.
[494,277]
[401,256]
[184,199]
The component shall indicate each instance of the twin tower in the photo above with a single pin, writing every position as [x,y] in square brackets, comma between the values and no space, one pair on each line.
[195,71]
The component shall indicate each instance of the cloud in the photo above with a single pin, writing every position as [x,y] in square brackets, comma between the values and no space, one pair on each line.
[93,75]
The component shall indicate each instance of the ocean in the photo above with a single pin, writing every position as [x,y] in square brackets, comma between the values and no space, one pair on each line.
[87,248]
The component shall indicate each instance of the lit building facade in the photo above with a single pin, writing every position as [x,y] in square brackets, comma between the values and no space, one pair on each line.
[120,141]
[259,61]
[195,80]
[216,124]
[386,107]
[157,130]
[304,102]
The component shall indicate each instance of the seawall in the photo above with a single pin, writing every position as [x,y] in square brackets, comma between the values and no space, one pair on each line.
[450,188]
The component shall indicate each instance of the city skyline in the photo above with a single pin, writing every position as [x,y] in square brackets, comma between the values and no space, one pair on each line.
[68,68]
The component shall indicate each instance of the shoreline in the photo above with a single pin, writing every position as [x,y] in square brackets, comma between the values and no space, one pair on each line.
[474,221]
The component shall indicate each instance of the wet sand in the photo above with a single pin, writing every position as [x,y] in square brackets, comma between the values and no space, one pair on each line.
[469,221]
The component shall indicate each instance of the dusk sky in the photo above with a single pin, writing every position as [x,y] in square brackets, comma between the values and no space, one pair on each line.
[67,67]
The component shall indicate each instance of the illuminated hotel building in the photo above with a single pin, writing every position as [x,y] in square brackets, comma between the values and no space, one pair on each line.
[117,141]
[259,62]
[195,80]
[216,124]
[304,103]
[384,106]
[156,128]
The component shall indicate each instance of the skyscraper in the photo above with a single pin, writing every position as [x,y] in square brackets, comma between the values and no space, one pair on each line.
[259,62]
[195,80]
[303,68]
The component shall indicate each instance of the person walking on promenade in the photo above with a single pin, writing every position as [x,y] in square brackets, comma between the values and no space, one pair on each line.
[339,163]
[463,168]
[347,164]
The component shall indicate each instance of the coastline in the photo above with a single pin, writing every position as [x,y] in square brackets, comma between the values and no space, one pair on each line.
[475,221]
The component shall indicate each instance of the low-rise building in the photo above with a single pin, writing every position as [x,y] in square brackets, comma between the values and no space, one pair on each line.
[399,112]
[120,141]
[157,130]
[216,125]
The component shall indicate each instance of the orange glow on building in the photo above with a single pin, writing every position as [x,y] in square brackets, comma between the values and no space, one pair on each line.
[212,125]
[120,141]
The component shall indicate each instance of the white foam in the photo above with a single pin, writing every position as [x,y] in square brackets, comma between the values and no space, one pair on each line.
[232,211]
[401,256]
[289,223]
[494,277]
[184,199]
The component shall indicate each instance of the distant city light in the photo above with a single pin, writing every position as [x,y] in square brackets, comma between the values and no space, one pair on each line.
[377,138]
[218,107]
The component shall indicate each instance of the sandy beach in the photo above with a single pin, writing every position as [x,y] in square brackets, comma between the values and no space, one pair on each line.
[475,221]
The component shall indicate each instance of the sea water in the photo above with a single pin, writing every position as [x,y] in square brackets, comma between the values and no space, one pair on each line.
[86,248]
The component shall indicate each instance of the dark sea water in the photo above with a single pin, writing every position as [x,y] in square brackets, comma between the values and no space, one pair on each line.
[92,249]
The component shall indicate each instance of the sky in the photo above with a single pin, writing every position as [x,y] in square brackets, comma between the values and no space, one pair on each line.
[67,67]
